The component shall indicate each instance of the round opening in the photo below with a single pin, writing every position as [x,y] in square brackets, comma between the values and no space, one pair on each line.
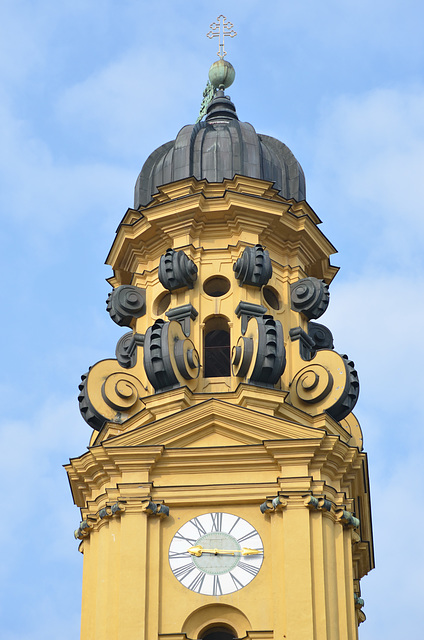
[161,303]
[271,297]
[216,286]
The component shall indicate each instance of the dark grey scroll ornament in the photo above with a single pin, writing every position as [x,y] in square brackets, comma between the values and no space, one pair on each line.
[126,349]
[176,270]
[254,266]
[310,296]
[321,335]
[349,397]
[261,356]
[125,303]
[170,358]
[92,417]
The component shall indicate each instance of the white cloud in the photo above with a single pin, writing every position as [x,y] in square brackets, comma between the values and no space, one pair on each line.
[369,154]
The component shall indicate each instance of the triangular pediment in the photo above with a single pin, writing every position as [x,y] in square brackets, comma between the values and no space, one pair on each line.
[213,423]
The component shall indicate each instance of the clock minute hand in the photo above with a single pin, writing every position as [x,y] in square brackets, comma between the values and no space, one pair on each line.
[198,550]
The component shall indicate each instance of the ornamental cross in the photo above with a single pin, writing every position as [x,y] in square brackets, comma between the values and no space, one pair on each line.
[221,28]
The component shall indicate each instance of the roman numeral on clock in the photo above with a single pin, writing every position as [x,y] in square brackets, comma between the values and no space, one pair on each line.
[197,583]
[183,572]
[216,521]
[200,528]
[250,568]
[179,536]
[249,535]
[217,589]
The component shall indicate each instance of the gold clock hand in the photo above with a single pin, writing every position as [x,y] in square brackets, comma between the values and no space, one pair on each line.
[198,550]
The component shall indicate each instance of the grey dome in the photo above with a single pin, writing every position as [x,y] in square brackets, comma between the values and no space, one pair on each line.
[220,147]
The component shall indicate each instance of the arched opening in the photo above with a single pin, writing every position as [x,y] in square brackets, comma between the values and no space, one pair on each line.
[216,352]
[218,633]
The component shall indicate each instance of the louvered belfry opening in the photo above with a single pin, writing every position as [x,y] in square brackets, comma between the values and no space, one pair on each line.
[216,356]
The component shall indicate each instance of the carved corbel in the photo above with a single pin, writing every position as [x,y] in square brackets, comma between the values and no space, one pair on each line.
[271,505]
[183,315]
[156,509]
[317,503]
[347,519]
[126,349]
[360,615]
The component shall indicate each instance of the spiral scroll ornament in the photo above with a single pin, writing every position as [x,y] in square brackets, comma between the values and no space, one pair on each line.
[120,391]
[310,296]
[109,394]
[314,383]
[254,266]
[170,358]
[125,303]
[176,270]
[260,354]
[321,335]
[328,383]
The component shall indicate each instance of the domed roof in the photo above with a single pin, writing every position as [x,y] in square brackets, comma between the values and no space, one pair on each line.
[220,147]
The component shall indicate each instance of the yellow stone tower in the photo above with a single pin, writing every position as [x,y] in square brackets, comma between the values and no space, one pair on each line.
[224,493]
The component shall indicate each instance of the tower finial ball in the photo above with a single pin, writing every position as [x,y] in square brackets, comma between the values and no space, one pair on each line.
[222,74]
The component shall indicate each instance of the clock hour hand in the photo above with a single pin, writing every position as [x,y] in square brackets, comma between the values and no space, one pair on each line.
[198,550]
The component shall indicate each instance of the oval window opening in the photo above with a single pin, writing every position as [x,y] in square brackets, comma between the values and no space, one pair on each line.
[271,297]
[162,302]
[216,286]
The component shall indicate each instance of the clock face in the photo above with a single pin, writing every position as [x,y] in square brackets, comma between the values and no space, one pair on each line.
[216,553]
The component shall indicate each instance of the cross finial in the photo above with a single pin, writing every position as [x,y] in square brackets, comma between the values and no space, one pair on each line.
[221,28]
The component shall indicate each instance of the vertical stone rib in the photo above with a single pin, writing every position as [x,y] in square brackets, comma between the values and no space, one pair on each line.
[331,600]
[318,571]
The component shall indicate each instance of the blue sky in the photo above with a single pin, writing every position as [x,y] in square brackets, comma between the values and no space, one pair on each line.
[87,91]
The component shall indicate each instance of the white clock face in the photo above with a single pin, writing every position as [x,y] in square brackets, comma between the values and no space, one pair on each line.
[216,553]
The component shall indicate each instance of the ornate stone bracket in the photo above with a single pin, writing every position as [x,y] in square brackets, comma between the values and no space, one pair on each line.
[183,315]
[156,509]
[347,519]
[307,347]
[317,503]
[126,349]
[360,615]
[273,504]
[247,310]
[87,525]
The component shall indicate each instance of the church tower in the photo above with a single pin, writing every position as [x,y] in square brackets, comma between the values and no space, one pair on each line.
[224,493]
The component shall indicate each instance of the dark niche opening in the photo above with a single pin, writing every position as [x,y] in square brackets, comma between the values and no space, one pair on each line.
[217,348]
[218,634]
